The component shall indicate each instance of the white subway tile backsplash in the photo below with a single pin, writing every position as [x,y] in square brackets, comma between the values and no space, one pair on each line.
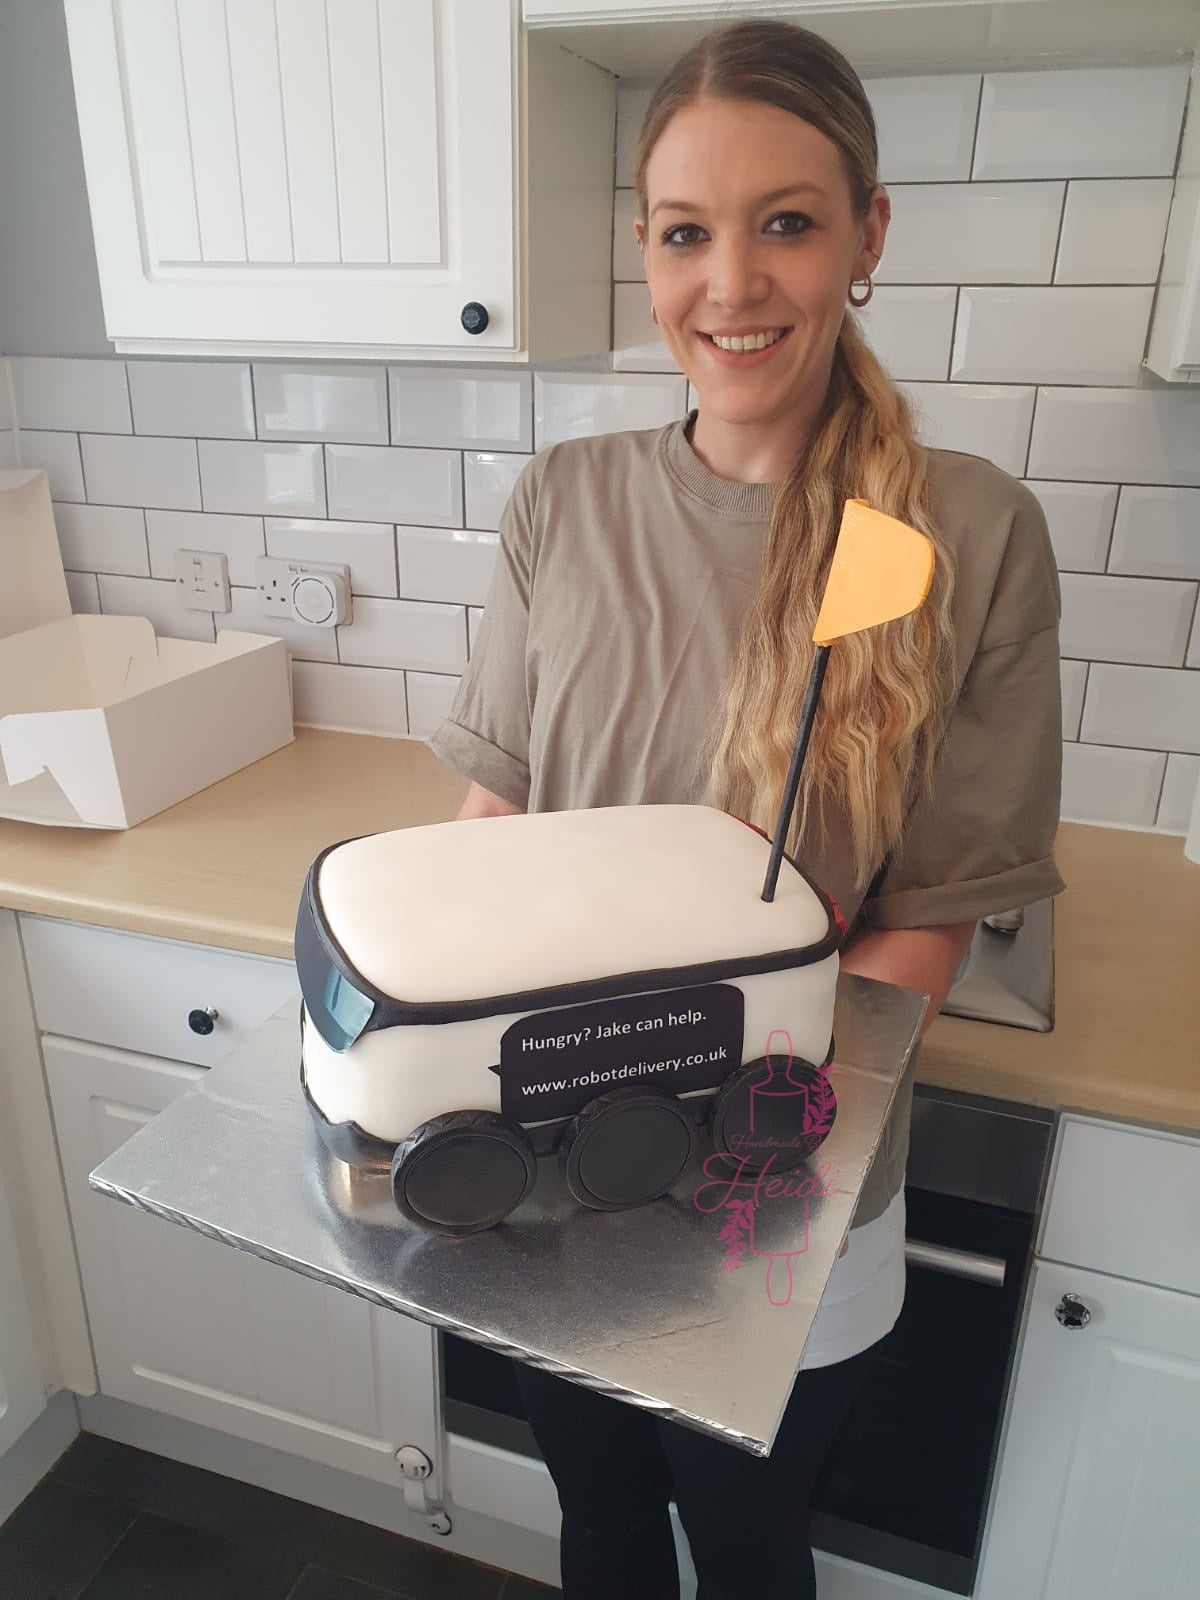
[461,410]
[1130,435]
[1179,786]
[909,327]
[240,539]
[631,108]
[140,471]
[57,455]
[925,126]
[8,416]
[1035,335]
[395,484]
[1113,230]
[1157,533]
[103,539]
[406,633]
[1106,785]
[1139,620]
[367,548]
[65,393]
[352,699]
[446,564]
[1080,519]
[627,264]
[1073,676]
[348,404]
[570,405]
[84,592]
[159,601]
[1193,655]
[1103,122]
[430,697]
[981,421]
[1154,708]
[262,478]
[8,450]
[489,480]
[474,616]
[192,399]
[637,344]
[972,233]
[304,643]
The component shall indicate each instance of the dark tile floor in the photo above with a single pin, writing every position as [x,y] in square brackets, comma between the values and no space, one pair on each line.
[113,1523]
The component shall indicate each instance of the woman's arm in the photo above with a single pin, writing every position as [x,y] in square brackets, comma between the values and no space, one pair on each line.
[924,959]
[481,802]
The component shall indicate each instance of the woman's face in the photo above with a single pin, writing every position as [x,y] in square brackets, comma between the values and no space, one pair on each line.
[750,237]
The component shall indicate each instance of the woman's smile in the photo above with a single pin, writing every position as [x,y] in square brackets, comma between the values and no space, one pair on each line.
[745,348]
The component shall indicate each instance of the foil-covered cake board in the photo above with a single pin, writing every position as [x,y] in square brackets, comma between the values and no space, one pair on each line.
[696,1307]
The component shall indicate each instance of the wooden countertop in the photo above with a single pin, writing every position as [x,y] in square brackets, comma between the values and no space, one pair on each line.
[226,866]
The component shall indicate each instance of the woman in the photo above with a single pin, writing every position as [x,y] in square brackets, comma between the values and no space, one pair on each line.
[647,639]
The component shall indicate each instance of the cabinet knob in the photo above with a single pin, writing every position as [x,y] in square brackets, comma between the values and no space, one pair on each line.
[1072,1312]
[203,1021]
[474,317]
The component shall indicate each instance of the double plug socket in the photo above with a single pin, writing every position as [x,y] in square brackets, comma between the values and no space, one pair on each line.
[312,592]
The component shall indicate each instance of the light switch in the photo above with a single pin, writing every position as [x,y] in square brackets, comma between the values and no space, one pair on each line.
[203,579]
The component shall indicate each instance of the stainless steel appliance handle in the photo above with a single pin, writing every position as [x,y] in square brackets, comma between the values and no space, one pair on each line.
[958,1263]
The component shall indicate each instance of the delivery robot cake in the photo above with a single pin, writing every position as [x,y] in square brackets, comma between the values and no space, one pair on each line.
[608,985]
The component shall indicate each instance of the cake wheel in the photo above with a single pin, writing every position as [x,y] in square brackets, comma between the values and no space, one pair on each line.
[626,1148]
[463,1171]
[783,1128]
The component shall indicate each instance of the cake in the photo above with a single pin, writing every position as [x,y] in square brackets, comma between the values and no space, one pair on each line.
[606,984]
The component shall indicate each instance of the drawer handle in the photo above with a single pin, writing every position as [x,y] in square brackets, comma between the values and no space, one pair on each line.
[203,1021]
[957,1263]
[1072,1312]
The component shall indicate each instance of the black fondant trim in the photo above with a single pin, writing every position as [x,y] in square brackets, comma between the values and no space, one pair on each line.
[390,1012]
[346,1140]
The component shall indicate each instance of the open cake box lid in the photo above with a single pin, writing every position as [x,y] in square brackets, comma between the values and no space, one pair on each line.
[102,723]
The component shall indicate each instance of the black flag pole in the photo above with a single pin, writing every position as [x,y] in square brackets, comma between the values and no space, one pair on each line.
[792,784]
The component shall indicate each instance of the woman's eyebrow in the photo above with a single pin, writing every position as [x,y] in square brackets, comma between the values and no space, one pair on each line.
[762,200]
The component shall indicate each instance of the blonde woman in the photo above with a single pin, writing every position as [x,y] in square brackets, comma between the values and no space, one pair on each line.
[647,639]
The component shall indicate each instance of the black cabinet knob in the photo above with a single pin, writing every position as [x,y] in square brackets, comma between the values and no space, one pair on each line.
[474,317]
[204,1021]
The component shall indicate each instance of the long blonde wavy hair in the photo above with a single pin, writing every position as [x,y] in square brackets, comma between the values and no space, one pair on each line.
[879,725]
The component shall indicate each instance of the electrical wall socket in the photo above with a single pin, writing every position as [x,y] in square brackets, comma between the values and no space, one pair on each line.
[316,593]
[203,579]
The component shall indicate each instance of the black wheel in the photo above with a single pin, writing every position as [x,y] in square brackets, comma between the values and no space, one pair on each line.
[463,1171]
[626,1148]
[781,1126]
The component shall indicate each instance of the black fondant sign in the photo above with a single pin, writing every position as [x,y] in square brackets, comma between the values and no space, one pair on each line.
[553,1062]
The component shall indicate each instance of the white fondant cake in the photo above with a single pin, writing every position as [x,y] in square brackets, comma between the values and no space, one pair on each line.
[524,965]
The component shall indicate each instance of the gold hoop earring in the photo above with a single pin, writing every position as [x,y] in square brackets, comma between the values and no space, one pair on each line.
[858,301]
[653,315]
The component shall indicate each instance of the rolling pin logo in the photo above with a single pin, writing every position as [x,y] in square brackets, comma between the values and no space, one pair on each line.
[741,1193]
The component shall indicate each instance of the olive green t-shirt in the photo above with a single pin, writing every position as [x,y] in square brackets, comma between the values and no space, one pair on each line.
[624,569]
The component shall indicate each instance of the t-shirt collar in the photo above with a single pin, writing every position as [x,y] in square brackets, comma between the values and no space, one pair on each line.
[747,502]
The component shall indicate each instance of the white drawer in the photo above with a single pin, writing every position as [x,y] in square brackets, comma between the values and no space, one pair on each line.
[136,993]
[1126,1201]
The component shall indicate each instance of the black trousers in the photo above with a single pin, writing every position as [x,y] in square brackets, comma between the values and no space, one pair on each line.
[617,1467]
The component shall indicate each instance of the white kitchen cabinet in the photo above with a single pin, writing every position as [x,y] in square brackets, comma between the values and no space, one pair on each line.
[320,179]
[22,1390]
[1173,351]
[190,1327]
[1099,1478]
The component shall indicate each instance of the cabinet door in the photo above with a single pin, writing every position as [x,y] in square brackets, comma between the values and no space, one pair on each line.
[197,1329]
[1099,1476]
[22,1394]
[305,175]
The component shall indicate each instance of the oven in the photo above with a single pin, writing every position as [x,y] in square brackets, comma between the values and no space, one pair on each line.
[906,1484]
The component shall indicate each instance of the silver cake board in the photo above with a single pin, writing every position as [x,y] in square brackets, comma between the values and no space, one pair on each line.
[683,1306]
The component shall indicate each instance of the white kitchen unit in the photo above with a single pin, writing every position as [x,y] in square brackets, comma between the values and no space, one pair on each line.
[375,178]
[1099,1474]
[181,1324]
[22,1390]
[1174,347]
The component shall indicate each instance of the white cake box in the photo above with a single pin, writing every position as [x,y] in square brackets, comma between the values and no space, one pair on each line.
[103,724]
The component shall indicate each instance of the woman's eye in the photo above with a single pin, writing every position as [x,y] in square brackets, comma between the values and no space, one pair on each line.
[789,222]
[683,233]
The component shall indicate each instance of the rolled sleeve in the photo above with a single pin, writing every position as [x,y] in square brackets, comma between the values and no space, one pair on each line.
[980,839]
[486,735]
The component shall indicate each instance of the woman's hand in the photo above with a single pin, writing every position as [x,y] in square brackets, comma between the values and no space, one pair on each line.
[925,959]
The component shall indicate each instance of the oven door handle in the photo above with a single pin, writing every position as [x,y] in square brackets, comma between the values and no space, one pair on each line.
[958,1263]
